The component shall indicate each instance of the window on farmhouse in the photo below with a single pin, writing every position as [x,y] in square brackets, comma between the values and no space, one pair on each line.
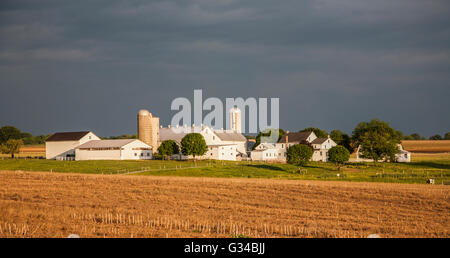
[135,154]
[148,153]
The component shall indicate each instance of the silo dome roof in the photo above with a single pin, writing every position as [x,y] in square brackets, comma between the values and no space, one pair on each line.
[144,112]
[235,109]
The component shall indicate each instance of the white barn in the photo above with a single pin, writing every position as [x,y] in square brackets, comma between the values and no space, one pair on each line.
[121,149]
[61,145]
[222,144]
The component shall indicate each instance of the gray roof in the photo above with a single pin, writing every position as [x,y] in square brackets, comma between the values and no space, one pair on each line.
[106,143]
[177,134]
[319,140]
[230,136]
[295,137]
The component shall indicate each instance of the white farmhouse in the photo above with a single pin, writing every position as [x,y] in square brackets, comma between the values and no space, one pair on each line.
[277,151]
[265,152]
[62,145]
[121,149]
[320,148]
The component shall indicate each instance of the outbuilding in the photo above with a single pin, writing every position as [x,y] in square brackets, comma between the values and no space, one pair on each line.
[61,145]
[122,149]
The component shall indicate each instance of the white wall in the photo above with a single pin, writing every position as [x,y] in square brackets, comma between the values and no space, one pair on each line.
[265,155]
[97,154]
[126,152]
[129,153]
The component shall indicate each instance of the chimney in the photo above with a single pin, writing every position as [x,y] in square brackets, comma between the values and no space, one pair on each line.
[328,136]
[287,138]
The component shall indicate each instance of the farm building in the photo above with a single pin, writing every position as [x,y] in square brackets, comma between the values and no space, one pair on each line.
[320,146]
[222,144]
[122,149]
[62,145]
[265,152]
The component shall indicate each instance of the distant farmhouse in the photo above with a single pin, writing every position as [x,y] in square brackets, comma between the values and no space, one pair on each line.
[277,151]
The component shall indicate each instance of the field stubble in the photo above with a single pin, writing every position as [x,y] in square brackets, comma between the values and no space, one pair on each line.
[56,205]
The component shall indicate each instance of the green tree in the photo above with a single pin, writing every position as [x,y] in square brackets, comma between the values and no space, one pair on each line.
[193,144]
[266,133]
[168,148]
[318,132]
[377,140]
[447,136]
[40,139]
[408,137]
[416,136]
[9,132]
[299,154]
[436,137]
[339,155]
[11,146]
[341,138]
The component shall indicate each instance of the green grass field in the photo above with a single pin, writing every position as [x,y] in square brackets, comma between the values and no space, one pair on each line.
[417,171]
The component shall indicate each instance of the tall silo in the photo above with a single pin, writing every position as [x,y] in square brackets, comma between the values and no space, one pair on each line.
[235,119]
[148,128]
[144,120]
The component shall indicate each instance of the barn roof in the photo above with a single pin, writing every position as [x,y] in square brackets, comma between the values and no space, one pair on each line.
[67,136]
[175,134]
[230,136]
[107,143]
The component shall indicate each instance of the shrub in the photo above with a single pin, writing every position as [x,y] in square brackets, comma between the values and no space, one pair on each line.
[299,154]
[339,155]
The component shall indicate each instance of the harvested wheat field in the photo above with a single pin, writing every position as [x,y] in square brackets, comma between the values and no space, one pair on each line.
[40,204]
[426,145]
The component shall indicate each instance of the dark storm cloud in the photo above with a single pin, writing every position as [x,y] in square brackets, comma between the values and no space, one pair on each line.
[71,65]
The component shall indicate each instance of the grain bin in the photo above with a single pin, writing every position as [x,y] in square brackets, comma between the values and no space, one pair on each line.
[148,128]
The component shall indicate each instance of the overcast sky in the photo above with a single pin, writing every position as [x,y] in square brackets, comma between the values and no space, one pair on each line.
[91,65]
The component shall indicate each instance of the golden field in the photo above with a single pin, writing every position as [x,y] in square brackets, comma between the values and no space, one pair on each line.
[39,204]
[426,145]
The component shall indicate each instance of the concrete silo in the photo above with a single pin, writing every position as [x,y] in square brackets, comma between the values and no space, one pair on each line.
[148,128]
[235,119]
